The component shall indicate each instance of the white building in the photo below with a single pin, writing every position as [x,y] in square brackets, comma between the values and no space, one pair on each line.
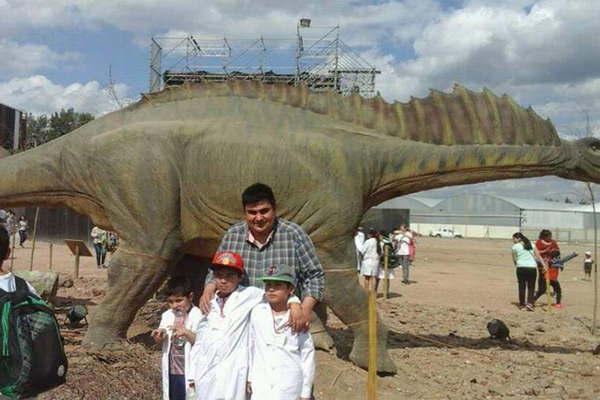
[477,215]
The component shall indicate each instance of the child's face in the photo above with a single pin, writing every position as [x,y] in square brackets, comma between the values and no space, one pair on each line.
[179,302]
[227,280]
[277,292]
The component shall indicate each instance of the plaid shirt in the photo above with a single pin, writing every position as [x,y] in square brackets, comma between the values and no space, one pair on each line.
[289,245]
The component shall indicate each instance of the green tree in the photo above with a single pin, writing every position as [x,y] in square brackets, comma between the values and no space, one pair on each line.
[65,121]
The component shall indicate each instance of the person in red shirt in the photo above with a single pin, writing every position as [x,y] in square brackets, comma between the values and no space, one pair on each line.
[548,249]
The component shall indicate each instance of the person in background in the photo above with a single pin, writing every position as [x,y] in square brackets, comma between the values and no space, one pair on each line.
[384,243]
[359,239]
[546,247]
[100,239]
[588,262]
[525,258]
[402,242]
[371,253]
[7,279]
[23,226]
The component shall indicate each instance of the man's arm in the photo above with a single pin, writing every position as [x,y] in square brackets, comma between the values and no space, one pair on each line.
[311,280]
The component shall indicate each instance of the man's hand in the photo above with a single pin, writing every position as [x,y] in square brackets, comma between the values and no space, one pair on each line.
[207,295]
[159,335]
[298,321]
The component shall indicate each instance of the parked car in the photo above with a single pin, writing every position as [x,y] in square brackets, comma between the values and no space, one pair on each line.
[445,232]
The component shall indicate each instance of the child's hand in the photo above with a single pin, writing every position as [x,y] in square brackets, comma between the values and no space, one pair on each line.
[180,331]
[159,335]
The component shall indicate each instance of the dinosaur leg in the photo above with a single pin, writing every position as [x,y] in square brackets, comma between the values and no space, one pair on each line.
[132,280]
[320,337]
[348,300]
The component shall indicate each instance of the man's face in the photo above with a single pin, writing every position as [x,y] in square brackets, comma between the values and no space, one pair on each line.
[277,292]
[260,217]
[227,280]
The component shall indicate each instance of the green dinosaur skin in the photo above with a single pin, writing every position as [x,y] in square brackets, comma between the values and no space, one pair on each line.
[169,170]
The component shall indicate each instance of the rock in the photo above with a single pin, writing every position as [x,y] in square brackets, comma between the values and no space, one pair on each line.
[596,351]
[65,281]
[45,283]
[98,292]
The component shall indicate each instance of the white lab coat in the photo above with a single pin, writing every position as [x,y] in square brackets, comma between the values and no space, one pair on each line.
[192,323]
[220,354]
[282,365]
[370,261]
[359,239]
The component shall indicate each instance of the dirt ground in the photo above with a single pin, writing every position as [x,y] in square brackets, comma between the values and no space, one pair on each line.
[437,338]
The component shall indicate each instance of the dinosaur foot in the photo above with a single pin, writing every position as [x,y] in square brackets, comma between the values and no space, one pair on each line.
[360,356]
[101,338]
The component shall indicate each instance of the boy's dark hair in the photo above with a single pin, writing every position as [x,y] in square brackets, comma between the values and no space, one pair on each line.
[178,286]
[545,234]
[256,193]
[4,244]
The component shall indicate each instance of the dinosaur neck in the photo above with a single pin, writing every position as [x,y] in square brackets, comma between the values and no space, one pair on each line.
[412,167]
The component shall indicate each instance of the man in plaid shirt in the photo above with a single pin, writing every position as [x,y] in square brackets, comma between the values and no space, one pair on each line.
[263,240]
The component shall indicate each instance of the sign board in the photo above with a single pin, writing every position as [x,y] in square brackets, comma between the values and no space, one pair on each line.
[78,247]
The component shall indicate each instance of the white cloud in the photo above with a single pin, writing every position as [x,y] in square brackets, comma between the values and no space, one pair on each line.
[38,95]
[23,59]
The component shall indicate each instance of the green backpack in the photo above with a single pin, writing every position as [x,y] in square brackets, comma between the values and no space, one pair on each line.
[32,356]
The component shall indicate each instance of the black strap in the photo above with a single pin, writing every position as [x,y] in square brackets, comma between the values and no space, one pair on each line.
[21,285]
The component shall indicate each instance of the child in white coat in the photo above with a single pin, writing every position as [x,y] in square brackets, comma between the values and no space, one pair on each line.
[177,333]
[220,355]
[282,362]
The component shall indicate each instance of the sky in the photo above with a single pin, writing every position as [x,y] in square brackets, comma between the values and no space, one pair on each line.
[57,54]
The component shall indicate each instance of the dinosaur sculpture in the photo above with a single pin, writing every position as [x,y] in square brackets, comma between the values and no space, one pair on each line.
[169,169]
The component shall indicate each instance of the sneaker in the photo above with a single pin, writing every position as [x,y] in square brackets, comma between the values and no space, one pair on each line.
[558,305]
[529,307]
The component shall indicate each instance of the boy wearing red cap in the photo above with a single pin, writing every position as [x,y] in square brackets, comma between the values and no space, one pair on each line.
[220,353]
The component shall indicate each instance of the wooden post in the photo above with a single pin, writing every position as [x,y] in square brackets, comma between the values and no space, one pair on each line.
[386,279]
[595,311]
[372,373]
[35,221]
[76,272]
[12,251]
[50,257]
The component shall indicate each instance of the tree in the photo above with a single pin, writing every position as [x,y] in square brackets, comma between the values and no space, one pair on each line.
[42,129]
[65,121]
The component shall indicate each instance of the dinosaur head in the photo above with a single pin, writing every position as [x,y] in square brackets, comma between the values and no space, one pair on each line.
[584,162]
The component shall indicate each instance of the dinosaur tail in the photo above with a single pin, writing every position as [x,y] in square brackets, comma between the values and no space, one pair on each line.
[32,177]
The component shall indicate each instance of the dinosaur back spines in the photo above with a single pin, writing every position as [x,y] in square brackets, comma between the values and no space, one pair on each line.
[459,117]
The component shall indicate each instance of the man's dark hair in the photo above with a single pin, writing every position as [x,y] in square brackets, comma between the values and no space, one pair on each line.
[257,193]
[4,244]
[179,286]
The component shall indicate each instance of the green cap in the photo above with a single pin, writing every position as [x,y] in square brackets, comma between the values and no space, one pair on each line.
[280,273]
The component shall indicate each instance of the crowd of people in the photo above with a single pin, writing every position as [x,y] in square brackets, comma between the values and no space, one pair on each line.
[371,250]
[13,226]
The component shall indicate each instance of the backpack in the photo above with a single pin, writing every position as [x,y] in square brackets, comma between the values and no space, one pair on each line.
[32,356]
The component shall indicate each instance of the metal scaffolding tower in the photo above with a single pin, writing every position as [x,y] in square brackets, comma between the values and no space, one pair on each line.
[317,57]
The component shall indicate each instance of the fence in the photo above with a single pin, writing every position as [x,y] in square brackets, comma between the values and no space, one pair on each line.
[57,224]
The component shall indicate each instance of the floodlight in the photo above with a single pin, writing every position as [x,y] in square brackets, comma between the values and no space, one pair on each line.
[305,22]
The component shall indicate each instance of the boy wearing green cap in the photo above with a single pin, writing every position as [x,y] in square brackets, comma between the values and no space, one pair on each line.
[282,362]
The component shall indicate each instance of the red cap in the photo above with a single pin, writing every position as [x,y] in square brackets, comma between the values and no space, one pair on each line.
[228,259]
